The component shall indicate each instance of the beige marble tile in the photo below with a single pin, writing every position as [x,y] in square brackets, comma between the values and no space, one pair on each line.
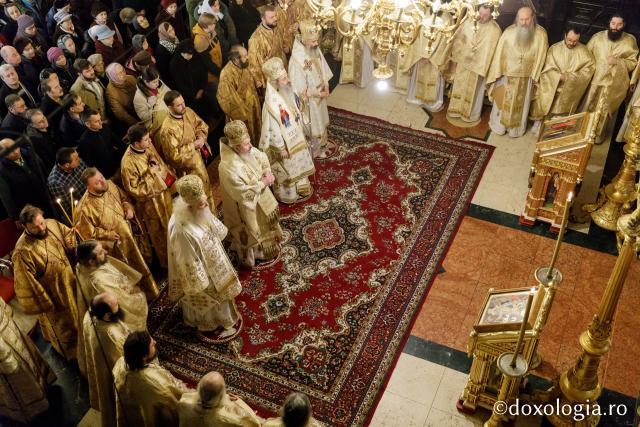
[397,411]
[449,391]
[438,418]
[416,379]
[90,419]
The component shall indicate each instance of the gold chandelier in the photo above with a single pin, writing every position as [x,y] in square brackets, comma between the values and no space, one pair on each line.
[394,25]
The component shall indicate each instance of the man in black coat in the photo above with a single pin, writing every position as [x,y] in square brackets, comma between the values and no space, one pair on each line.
[43,142]
[52,104]
[71,127]
[14,121]
[99,147]
[11,84]
[20,170]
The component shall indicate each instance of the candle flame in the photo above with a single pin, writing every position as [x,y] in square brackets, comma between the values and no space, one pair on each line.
[570,197]
[71,190]
[58,200]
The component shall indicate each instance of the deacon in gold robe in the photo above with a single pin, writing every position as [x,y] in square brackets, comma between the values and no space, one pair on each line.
[287,23]
[616,55]
[282,137]
[44,281]
[201,275]
[237,94]
[104,214]
[566,74]
[250,210]
[296,409]
[472,53]
[357,63]
[515,68]
[310,75]
[147,395]
[206,43]
[633,108]
[24,374]
[421,72]
[104,333]
[211,406]
[265,43]
[97,273]
[182,137]
[146,178]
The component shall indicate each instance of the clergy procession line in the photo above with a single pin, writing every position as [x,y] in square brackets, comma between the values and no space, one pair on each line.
[524,78]
[152,201]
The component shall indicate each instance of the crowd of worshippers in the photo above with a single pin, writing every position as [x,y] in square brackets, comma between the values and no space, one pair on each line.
[105,172]
[525,79]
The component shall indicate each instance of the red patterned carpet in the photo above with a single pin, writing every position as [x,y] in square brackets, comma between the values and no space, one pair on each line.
[358,258]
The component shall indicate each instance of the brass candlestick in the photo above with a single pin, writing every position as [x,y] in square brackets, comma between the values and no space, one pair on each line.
[579,386]
[617,197]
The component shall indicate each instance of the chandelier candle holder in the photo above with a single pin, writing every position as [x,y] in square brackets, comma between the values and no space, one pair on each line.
[395,25]
[73,217]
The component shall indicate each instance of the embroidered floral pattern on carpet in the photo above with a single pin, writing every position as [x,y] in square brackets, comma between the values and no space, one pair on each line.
[357,260]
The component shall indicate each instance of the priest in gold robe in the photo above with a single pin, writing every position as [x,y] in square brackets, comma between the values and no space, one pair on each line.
[104,332]
[250,210]
[472,52]
[295,411]
[310,75]
[514,71]
[237,93]
[633,108]
[287,23]
[24,374]
[97,273]
[420,72]
[147,394]
[147,179]
[44,281]
[282,137]
[211,405]
[104,214]
[357,62]
[265,42]
[182,139]
[201,276]
[616,55]
[566,74]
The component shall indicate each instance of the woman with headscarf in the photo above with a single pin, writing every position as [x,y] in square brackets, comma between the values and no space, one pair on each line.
[68,46]
[141,26]
[149,99]
[27,29]
[189,76]
[66,74]
[168,41]
[168,12]
[120,93]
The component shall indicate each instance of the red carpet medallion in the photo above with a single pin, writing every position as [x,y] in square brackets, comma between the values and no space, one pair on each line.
[357,260]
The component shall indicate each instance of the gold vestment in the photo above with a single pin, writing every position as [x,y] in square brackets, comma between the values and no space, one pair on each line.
[175,141]
[143,178]
[122,281]
[238,98]
[472,53]
[104,343]
[517,65]
[24,374]
[250,209]
[556,97]
[45,285]
[614,77]
[264,43]
[101,216]
[228,413]
[146,397]
[287,17]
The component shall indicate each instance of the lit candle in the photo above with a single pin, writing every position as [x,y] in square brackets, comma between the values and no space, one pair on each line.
[523,327]
[59,202]
[73,216]
[563,226]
